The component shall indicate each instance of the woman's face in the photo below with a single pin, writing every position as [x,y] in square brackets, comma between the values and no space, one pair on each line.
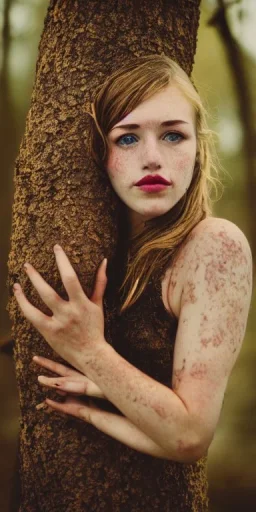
[152,148]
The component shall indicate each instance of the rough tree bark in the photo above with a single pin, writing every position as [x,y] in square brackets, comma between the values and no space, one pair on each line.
[60,196]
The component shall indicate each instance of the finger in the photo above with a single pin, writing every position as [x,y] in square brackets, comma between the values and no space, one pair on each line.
[46,292]
[82,386]
[36,317]
[100,285]
[75,387]
[72,406]
[68,275]
[58,368]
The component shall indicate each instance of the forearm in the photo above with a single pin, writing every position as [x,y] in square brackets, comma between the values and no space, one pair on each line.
[123,430]
[152,407]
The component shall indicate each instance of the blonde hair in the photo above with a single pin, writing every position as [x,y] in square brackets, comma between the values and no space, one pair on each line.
[162,236]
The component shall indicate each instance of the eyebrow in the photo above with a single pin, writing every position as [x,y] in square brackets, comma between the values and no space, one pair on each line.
[165,123]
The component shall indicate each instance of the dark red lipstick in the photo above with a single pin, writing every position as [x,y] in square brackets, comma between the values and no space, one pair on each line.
[152,180]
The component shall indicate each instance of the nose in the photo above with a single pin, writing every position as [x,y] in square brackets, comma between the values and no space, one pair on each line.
[151,159]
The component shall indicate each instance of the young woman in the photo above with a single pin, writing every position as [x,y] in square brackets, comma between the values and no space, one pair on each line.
[186,280]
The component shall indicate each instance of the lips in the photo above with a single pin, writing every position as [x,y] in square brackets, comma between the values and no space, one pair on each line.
[152,180]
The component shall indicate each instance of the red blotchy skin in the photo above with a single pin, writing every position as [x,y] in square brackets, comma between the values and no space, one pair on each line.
[215,340]
[178,376]
[198,370]
[230,250]
[161,411]
[190,295]
[218,271]
[215,284]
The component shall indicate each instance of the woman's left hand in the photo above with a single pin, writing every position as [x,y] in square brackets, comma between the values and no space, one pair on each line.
[73,407]
[76,328]
[69,381]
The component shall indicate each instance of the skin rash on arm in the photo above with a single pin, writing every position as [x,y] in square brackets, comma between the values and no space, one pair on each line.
[215,300]
[216,292]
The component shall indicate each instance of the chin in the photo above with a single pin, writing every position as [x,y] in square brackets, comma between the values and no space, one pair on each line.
[156,213]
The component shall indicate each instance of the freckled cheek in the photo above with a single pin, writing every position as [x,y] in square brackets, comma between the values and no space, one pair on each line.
[115,165]
[182,168]
[184,164]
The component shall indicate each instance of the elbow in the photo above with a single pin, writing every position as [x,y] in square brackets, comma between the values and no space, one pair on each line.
[197,447]
[191,449]
[194,453]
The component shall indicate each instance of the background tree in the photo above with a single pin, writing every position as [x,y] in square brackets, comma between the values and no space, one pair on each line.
[8,132]
[239,67]
[60,196]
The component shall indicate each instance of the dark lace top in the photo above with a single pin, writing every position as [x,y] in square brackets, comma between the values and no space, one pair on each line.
[95,472]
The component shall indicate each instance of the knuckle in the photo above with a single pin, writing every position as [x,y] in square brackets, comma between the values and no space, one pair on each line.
[42,326]
[63,383]
[81,413]
[57,384]
[65,372]
[56,328]
[72,316]
[67,321]
[85,387]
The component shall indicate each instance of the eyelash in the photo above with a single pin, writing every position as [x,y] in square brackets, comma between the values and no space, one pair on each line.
[132,135]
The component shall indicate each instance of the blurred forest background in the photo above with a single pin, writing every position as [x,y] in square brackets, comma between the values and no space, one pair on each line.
[225,75]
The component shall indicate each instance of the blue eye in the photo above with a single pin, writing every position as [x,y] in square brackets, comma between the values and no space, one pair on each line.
[129,139]
[175,137]
[126,139]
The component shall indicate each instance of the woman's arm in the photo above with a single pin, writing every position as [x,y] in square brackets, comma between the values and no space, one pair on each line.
[71,382]
[215,303]
[76,332]
[118,427]
[216,294]
[152,407]
[214,309]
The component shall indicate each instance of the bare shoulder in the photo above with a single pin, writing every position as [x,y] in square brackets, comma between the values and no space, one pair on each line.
[217,240]
[213,225]
[215,245]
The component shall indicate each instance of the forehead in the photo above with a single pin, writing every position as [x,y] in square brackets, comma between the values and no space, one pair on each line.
[170,103]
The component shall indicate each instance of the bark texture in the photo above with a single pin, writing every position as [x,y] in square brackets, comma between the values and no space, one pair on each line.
[60,195]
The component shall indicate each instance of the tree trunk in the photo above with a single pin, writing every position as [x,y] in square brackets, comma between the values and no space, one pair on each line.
[61,197]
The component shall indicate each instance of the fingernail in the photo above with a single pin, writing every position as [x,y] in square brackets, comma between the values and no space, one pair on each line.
[26,266]
[16,287]
[42,405]
[56,247]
